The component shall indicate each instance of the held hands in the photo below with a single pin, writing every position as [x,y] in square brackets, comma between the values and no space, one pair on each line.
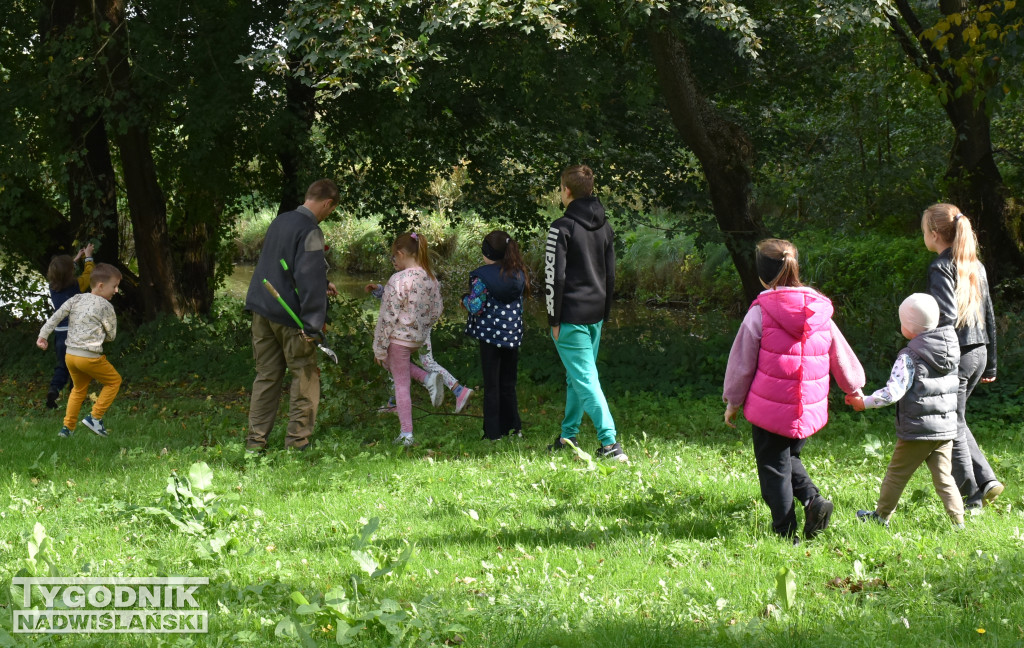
[989,380]
[370,287]
[332,290]
[42,343]
[856,401]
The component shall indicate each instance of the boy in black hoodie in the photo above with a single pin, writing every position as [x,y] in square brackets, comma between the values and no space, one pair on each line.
[579,276]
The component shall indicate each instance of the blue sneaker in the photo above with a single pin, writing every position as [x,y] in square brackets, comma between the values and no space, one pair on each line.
[560,444]
[390,408]
[612,451]
[96,425]
[65,432]
[871,516]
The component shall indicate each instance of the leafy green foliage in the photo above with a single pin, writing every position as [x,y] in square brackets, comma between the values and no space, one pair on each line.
[785,587]
[41,560]
[190,504]
[867,277]
[972,41]
[356,620]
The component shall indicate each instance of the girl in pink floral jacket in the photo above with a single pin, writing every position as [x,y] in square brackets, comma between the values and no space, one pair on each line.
[778,374]
[410,306]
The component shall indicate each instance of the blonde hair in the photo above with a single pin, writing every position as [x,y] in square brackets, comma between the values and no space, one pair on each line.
[954,229]
[919,313]
[414,244]
[784,251]
[104,273]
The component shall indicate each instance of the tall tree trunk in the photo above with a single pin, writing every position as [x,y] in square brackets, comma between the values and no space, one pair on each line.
[296,122]
[975,184]
[97,174]
[195,256]
[146,203]
[92,190]
[148,210]
[724,150]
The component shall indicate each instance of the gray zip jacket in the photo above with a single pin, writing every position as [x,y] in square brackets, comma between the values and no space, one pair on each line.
[927,412]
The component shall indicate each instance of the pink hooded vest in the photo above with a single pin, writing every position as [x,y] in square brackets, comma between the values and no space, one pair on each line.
[789,393]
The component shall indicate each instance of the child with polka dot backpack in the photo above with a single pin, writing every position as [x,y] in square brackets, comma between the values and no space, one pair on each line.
[495,306]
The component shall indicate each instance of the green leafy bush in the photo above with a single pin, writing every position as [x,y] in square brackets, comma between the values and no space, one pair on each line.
[214,349]
[866,277]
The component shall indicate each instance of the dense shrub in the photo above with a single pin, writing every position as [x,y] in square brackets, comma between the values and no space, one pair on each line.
[866,277]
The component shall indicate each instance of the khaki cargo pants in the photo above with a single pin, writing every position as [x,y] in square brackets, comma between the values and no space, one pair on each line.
[276,347]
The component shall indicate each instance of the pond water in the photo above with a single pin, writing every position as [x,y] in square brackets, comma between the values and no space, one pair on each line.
[237,283]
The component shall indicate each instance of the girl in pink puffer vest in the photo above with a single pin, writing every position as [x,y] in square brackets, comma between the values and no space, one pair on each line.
[778,373]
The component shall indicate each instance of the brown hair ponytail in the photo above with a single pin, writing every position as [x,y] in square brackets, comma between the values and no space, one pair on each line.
[499,246]
[778,264]
[954,229]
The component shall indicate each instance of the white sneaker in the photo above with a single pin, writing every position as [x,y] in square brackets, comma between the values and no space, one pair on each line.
[403,440]
[435,387]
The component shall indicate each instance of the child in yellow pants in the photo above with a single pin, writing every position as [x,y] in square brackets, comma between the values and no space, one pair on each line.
[91,322]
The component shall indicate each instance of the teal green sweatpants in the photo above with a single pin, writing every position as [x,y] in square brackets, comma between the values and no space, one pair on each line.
[577,346]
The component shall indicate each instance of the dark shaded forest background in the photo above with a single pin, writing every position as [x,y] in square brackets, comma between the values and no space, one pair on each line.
[143,126]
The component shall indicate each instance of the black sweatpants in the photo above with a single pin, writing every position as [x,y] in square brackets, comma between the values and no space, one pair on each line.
[784,480]
[501,405]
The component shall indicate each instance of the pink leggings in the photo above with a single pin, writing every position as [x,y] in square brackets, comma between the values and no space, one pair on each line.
[401,367]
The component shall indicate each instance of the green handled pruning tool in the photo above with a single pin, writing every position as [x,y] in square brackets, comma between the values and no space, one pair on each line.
[273,291]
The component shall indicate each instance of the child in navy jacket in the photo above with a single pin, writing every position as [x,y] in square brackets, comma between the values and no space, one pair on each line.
[63,286]
[495,305]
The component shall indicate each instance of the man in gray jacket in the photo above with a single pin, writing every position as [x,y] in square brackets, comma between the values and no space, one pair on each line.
[292,260]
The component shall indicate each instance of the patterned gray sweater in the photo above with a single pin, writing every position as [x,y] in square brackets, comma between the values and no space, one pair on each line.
[91,322]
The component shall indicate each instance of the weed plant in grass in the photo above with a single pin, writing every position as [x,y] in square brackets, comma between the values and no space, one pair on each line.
[463,541]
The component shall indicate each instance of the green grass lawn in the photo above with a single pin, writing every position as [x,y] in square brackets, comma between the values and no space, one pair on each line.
[461,541]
